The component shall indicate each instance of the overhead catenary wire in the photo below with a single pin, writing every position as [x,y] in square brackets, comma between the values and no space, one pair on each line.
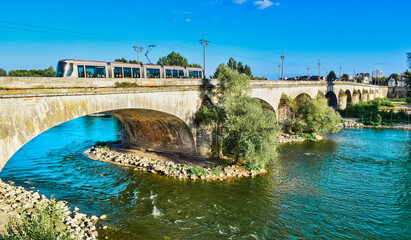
[65,32]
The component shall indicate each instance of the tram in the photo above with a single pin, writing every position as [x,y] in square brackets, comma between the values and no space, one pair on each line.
[98,69]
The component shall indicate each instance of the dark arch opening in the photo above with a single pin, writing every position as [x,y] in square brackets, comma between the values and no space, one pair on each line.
[159,131]
[349,97]
[266,106]
[331,99]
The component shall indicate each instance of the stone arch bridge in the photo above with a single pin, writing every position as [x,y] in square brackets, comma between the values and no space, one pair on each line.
[157,114]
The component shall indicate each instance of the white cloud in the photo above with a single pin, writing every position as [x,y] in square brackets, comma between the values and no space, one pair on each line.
[263,4]
[239,1]
[188,20]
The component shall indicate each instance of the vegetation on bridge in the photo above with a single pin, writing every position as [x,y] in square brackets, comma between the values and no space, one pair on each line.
[240,68]
[244,131]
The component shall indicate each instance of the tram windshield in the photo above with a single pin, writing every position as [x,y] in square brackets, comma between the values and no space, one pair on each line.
[64,69]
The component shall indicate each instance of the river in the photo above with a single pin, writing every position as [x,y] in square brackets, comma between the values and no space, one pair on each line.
[353,185]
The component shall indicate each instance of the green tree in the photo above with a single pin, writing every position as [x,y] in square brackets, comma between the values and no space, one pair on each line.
[331,76]
[173,58]
[123,60]
[176,59]
[48,72]
[345,77]
[3,72]
[395,76]
[246,131]
[240,67]
[316,116]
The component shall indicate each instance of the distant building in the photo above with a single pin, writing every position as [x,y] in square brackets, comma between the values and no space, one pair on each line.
[364,77]
[391,82]
[377,73]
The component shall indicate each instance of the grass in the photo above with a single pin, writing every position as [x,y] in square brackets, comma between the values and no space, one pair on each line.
[125,84]
[216,171]
[397,99]
[106,144]
[46,223]
[198,171]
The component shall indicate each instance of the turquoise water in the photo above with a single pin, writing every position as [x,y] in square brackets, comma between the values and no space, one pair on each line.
[354,185]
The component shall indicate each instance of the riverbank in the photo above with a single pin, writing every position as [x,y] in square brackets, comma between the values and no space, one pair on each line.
[181,167]
[352,123]
[13,199]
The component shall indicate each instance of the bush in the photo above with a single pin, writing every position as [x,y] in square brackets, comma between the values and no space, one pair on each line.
[316,116]
[45,223]
[198,171]
[125,84]
[408,100]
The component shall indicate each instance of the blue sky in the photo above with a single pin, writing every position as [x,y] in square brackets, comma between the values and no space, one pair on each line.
[358,34]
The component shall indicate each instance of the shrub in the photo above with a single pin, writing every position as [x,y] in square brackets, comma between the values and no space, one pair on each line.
[46,223]
[125,84]
[317,116]
[198,171]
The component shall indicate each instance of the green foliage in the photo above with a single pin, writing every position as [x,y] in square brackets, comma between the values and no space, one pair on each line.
[175,59]
[48,72]
[123,60]
[3,72]
[248,133]
[408,100]
[316,116]
[345,77]
[370,114]
[104,144]
[240,68]
[407,76]
[198,171]
[382,81]
[45,223]
[395,76]
[331,76]
[216,171]
[381,102]
[125,84]
[397,99]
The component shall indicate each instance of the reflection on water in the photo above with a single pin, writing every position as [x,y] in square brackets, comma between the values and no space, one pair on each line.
[353,185]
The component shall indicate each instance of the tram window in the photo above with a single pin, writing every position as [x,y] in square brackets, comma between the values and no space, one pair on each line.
[118,72]
[192,74]
[60,69]
[153,73]
[127,72]
[80,71]
[91,71]
[175,74]
[136,72]
[168,73]
[200,74]
[69,70]
[181,73]
[101,72]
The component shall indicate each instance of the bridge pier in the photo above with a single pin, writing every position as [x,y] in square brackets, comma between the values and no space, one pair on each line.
[342,101]
[355,98]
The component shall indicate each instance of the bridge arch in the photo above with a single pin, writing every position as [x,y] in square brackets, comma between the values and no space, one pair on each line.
[331,99]
[160,131]
[265,105]
[175,110]
[349,96]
